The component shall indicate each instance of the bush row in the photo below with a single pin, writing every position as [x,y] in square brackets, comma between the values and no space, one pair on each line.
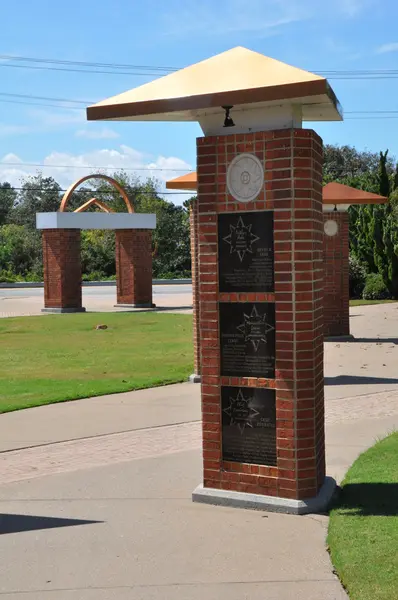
[369,286]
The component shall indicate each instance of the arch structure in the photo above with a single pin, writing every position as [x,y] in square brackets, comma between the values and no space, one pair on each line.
[61,234]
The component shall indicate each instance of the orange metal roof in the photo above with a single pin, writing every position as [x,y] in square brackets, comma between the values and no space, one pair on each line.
[184,182]
[337,193]
[333,193]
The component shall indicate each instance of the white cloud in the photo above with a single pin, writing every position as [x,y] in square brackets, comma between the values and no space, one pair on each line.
[385,48]
[55,119]
[97,134]
[9,129]
[261,18]
[227,17]
[43,121]
[74,166]
[351,8]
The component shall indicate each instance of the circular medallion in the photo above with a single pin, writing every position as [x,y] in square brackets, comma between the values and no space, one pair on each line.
[245,177]
[330,227]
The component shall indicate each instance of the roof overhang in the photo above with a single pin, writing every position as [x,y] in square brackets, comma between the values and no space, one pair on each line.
[239,77]
[333,194]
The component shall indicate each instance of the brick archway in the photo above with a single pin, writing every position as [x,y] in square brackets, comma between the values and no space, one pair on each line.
[61,250]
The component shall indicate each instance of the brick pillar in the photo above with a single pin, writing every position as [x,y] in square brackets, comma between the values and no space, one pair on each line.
[193,222]
[62,270]
[263,417]
[134,267]
[336,274]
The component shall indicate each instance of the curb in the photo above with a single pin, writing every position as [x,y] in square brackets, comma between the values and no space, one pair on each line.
[36,284]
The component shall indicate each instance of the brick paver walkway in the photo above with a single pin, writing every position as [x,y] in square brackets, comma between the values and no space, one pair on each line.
[98,451]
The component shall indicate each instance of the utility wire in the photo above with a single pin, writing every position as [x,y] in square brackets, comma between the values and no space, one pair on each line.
[85,103]
[95,192]
[91,167]
[155,70]
[31,97]
[86,63]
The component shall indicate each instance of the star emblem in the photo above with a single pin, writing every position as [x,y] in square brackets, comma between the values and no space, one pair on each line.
[240,411]
[255,328]
[241,239]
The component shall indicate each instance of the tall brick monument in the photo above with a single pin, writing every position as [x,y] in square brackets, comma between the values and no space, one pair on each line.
[336,200]
[61,251]
[260,240]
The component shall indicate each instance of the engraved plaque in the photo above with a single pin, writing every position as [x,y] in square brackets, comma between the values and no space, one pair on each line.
[248,425]
[246,252]
[247,339]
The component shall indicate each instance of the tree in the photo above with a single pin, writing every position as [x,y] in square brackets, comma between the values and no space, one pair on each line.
[345,162]
[20,250]
[38,194]
[7,200]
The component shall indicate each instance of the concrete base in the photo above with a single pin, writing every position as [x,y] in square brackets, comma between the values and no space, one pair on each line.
[58,311]
[339,338]
[194,378]
[268,503]
[148,305]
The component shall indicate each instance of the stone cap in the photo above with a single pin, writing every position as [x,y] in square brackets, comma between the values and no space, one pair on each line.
[238,77]
[94,220]
[332,193]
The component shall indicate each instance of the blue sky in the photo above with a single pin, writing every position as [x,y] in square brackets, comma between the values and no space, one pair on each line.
[310,34]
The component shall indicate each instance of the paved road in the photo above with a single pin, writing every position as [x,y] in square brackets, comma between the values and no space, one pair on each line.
[99,292]
[29,301]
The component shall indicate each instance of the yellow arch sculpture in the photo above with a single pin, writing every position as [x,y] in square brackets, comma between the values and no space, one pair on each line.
[110,180]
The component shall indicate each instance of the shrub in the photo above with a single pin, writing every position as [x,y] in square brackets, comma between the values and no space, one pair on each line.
[375,288]
[357,277]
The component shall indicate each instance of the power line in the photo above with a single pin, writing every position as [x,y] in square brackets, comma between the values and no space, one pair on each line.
[88,102]
[95,192]
[26,103]
[77,66]
[36,67]
[86,63]
[30,96]
[91,167]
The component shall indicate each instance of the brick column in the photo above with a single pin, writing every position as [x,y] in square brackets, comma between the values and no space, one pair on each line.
[134,267]
[193,223]
[62,270]
[288,391]
[336,274]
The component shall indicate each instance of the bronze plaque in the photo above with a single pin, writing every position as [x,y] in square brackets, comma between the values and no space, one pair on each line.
[246,252]
[247,339]
[248,425]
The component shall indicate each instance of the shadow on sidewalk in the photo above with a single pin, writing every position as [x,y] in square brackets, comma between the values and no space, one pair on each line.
[357,340]
[359,380]
[368,499]
[10,523]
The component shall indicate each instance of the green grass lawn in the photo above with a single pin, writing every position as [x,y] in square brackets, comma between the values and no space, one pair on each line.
[363,528]
[63,357]
[366,302]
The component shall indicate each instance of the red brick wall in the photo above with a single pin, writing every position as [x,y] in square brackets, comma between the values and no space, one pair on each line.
[134,266]
[62,268]
[193,219]
[336,274]
[293,190]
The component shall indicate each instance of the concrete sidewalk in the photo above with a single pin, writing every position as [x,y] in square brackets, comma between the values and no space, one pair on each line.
[108,515]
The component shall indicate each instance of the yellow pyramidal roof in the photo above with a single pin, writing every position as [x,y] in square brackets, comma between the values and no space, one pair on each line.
[236,77]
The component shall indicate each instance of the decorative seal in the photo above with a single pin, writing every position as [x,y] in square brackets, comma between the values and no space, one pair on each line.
[245,177]
[330,228]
